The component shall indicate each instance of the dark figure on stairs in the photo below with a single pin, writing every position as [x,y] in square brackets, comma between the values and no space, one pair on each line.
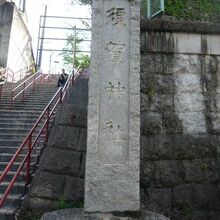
[62,78]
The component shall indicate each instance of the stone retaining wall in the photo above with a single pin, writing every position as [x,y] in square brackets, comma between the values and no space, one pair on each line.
[180,122]
[180,130]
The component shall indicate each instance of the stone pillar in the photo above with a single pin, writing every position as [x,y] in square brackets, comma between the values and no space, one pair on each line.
[113,147]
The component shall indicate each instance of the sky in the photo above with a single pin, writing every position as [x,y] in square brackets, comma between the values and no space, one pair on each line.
[35,8]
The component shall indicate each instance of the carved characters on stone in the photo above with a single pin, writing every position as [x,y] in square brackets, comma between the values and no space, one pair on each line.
[114,148]
[111,127]
[116,15]
[116,51]
[116,90]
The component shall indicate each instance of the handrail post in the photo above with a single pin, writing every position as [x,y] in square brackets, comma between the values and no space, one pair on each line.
[0,92]
[11,103]
[34,82]
[23,92]
[73,80]
[41,79]
[28,160]
[47,124]
[61,95]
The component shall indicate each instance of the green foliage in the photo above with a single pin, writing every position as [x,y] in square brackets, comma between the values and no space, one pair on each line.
[202,10]
[79,204]
[81,61]
[63,204]
[191,10]
[32,217]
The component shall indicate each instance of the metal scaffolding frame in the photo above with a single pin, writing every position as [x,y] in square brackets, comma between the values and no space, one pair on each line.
[41,36]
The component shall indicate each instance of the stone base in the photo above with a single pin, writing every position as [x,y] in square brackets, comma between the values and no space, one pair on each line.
[79,214]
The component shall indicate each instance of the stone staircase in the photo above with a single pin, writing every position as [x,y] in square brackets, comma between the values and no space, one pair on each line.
[14,127]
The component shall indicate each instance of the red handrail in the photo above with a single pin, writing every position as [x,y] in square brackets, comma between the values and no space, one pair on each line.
[23,86]
[60,95]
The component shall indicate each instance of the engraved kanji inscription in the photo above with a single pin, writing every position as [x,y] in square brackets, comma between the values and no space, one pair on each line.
[116,90]
[116,15]
[116,51]
[111,127]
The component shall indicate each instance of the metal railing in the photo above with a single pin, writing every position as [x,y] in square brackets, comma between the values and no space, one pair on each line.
[7,73]
[4,75]
[24,71]
[33,138]
[188,10]
[21,88]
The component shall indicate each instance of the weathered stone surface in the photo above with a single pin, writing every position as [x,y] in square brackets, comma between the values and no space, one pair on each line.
[47,186]
[159,83]
[172,124]
[74,189]
[112,163]
[160,198]
[78,97]
[200,170]
[167,173]
[61,161]
[189,147]
[185,111]
[163,64]
[173,25]
[157,147]
[158,102]
[74,116]
[179,43]
[182,195]
[151,123]
[207,195]
[65,137]
[193,122]
[79,214]
[36,204]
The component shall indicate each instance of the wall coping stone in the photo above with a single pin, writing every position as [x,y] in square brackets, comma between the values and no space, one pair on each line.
[167,25]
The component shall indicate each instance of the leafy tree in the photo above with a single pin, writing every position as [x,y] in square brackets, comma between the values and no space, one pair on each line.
[76,60]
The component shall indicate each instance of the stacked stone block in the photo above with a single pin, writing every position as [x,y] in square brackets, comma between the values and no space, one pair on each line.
[180,125]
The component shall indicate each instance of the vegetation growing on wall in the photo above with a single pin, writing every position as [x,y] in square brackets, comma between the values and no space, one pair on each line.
[190,10]
[202,10]
[193,10]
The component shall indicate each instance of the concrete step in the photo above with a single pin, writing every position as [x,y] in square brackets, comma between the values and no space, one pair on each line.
[25,112]
[19,120]
[41,108]
[12,200]
[11,174]
[18,188]
[27,124]
[7,213]
[15,125]
[6,157]
[11,143]
[16,115]
[14,166]
[15,130]
[12,150]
